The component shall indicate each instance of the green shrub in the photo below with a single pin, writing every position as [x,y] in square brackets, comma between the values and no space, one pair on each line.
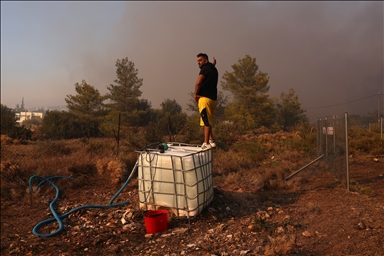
[305,144]
[193,132]
[363,144]
[154,132]
[224,134]
[250,150]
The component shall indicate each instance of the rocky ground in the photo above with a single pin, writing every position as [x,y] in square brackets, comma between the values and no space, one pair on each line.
[317,217]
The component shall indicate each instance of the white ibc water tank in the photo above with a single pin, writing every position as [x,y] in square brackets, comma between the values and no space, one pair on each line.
[179,179]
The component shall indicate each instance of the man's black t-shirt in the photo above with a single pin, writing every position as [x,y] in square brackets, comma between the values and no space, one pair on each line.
[209,85]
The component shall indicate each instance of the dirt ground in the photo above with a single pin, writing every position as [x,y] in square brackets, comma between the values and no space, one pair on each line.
[317,217]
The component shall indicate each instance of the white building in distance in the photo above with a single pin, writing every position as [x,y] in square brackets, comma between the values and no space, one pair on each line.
[22,116]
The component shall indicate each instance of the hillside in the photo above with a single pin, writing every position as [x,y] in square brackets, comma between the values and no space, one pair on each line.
[254,210]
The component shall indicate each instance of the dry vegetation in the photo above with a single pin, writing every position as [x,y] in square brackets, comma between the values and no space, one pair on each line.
[94,160]
[253,169]
[272,155]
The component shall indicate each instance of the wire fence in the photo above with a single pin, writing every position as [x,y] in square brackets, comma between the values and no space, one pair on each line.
[332,144]
[377,126]
[332,148]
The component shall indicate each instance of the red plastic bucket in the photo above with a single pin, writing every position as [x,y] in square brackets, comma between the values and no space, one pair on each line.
[156,221]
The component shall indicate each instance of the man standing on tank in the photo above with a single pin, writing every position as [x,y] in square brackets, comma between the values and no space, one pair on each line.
[206,97]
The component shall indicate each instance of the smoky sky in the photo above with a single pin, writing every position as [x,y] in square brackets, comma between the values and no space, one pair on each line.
[330,53]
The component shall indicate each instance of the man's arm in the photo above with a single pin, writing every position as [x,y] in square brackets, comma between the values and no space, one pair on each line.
[199,81]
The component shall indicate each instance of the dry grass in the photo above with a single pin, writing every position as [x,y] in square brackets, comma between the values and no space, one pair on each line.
[263,161]
[363,140]
[73,158]
[251,165]
[254,162]
[5,140]
[113,170]
[260,161]
[12,181]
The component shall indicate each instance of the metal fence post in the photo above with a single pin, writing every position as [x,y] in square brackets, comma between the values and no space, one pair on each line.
[319,137]
[334,144]
[346,148]
[381,129]
[317,134]
[326,140]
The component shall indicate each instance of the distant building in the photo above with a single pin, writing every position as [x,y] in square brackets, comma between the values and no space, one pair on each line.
[22,116]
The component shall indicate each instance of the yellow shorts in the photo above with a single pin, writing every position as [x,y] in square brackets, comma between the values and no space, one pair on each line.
[207,109]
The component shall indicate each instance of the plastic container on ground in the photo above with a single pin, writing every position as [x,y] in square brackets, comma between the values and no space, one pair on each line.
[180,179]
[156,221]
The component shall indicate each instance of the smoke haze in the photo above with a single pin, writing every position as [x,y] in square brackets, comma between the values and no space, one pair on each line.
[330,53]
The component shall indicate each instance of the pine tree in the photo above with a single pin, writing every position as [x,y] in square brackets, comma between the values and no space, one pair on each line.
[288,110]
[249,87]
[124,95]
[88,107]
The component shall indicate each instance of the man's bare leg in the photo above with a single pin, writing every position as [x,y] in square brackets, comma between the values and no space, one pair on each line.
[207,134]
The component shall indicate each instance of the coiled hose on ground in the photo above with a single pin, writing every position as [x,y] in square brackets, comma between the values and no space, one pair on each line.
[52,203]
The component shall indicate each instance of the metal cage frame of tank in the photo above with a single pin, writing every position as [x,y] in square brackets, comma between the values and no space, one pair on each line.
[189,188]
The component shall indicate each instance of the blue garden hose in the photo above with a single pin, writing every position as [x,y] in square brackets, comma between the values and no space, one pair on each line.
[56,216]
